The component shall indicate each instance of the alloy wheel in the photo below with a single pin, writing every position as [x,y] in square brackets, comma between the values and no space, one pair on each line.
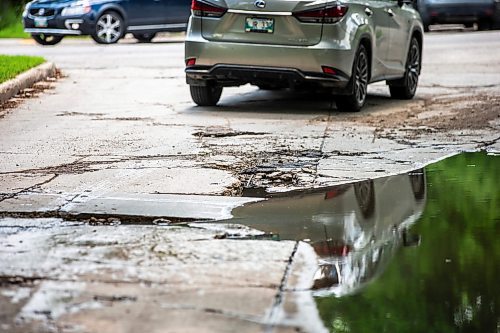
[109,28]
[361,78]
[413,68]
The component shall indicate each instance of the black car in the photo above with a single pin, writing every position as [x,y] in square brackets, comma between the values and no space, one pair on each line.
[106,21]
[466,12]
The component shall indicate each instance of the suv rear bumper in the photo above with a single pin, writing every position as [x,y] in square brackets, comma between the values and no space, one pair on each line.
[235,75]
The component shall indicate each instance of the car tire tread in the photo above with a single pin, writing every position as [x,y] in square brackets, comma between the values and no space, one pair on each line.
[205,95]
[404,88]
[350,102]
[47,39]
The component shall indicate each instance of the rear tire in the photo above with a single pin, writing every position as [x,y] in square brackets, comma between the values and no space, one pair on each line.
[145,37]
[406,87]
[360,76]
[205,95]
[43,39]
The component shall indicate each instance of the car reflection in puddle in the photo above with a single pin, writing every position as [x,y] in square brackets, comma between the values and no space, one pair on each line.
[354,229]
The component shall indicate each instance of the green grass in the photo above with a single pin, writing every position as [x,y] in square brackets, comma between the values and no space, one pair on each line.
[10,66]
[14,30]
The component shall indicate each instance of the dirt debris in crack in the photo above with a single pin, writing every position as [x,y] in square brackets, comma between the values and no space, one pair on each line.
[222,132]
[115,298]
[28,93]
[437,114]
[103,219]
[278,169]
[6,280]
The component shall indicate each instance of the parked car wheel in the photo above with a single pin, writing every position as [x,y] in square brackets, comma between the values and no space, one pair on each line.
[406,87]
[43,39]
[205,95]
[145,37]
[360,77]
[109,28]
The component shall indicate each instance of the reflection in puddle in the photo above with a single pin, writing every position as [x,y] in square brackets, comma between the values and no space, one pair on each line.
[354,229]
[409,253]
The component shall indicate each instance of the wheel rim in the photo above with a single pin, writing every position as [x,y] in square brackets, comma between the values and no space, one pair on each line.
[361,78]
[109,28]
[413,68]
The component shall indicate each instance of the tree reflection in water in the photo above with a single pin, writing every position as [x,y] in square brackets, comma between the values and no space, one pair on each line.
[450,282]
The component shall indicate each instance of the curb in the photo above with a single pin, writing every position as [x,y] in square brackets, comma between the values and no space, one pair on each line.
[25,80]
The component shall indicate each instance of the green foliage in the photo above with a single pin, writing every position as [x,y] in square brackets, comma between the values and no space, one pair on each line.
[450,282]
[10,19]
[10,66]
[15,30]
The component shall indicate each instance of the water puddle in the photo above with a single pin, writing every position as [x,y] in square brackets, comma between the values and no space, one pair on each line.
[417,252]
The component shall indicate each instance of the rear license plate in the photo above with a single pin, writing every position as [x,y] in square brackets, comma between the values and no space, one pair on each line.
[255,24]
[40,22]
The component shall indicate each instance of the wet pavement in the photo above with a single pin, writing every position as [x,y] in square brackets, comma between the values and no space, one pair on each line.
[400,253]
[115,212]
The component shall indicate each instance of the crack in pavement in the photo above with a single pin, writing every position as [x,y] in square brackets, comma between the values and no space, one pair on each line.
[273,317]
[101,219]
[28,189]
[322,145]
[486,144]
[79,166]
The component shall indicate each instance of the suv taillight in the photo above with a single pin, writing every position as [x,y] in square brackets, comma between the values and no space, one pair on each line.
[330,14]
[201,8]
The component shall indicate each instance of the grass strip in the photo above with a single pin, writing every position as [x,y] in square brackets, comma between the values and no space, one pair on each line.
[11,66]
[15,30]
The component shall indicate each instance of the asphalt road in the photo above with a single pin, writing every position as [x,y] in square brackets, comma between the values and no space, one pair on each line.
[117,137]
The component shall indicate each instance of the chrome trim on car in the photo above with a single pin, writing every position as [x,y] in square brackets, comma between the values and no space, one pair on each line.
[157,26]
[256,12]
[31,16]
[52,31]
[44,17]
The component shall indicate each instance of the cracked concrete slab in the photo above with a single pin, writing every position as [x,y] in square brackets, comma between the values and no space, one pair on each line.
[63,276]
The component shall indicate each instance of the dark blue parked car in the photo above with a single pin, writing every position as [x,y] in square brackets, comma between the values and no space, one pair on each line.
[467,12]
[106,21]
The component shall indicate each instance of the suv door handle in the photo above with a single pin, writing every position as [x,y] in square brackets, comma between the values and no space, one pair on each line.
[390,12]
[368,11]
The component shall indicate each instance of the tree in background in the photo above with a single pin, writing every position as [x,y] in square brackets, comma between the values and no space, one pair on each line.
[10,11]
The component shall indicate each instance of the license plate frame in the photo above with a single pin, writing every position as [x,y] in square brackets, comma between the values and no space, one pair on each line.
[259,25]
[41,22]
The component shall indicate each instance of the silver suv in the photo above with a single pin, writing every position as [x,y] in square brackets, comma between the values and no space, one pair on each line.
[341,46]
